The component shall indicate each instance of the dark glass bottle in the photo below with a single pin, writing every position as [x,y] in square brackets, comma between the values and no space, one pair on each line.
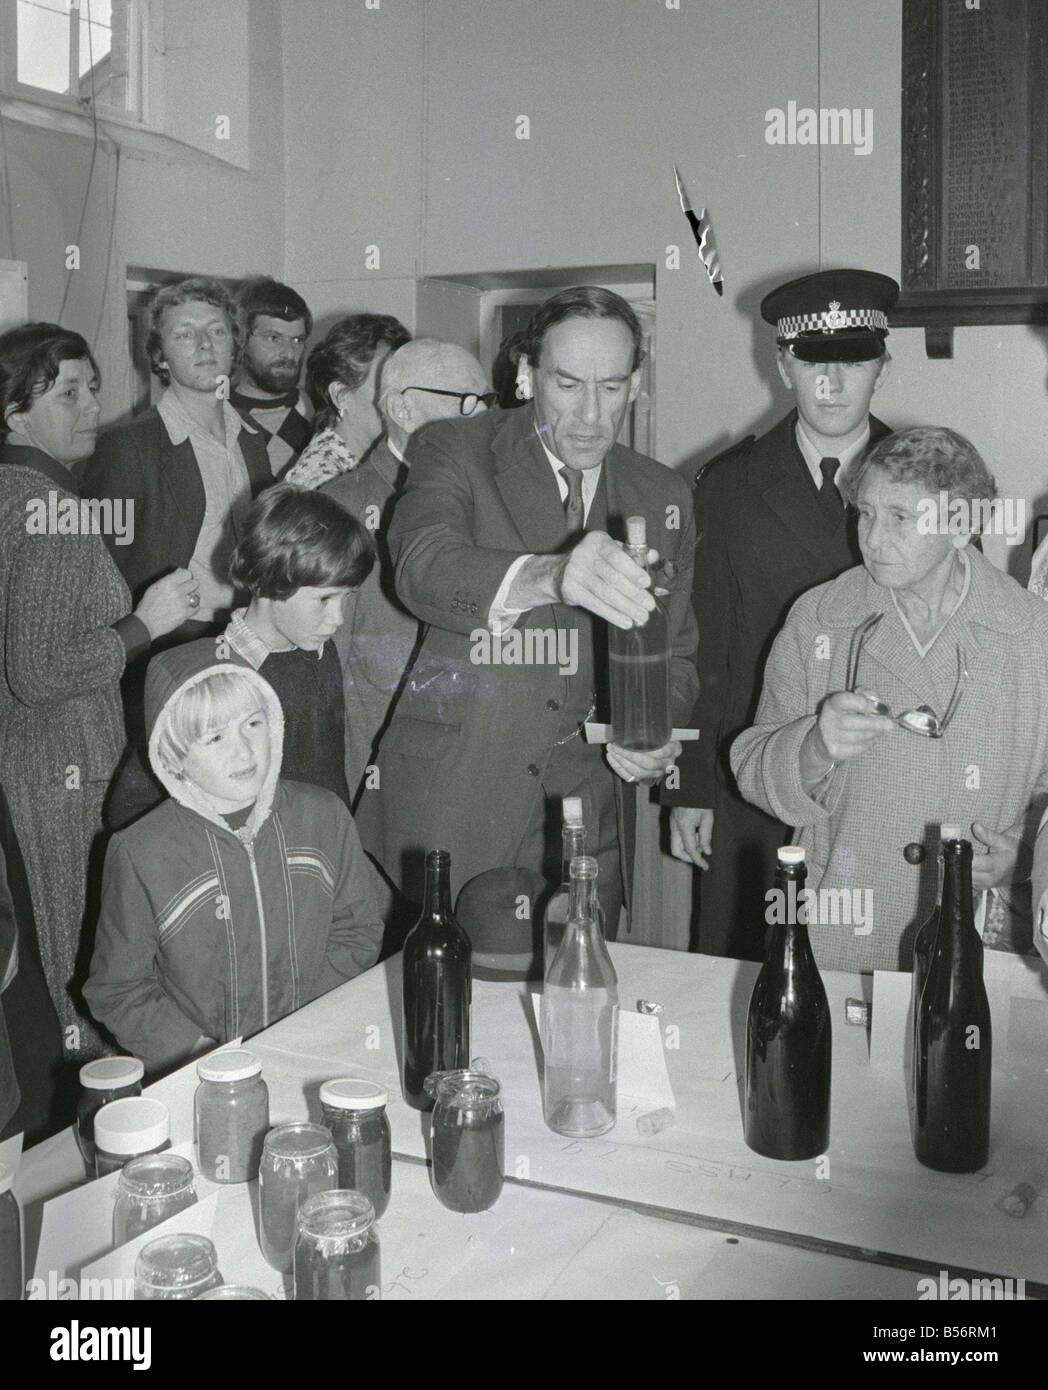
[788,1042]
[953,1044]
[639,661]
[437,987]
[924,941]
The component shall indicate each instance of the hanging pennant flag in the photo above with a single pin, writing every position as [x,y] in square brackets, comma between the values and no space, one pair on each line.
[702,231]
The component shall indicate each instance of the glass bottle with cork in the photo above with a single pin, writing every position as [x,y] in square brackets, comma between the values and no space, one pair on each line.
[639,660]
[788,1036]
[580,1020]
[953,1043]
[555,917]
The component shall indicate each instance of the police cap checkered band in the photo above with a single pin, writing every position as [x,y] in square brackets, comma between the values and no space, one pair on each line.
[832,320]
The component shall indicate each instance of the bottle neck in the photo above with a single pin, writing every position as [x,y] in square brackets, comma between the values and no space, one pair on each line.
[437,902]
[573,838]
[958,909]
[583,900]
[792,915]
[639,555]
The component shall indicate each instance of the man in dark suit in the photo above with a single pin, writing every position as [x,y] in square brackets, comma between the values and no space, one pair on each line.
[503,546]
[189,465]
[771,523]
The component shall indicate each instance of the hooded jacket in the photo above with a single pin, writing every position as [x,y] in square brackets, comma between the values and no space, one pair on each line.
[209,931]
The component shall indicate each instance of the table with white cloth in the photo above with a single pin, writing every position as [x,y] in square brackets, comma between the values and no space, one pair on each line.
[688,1212]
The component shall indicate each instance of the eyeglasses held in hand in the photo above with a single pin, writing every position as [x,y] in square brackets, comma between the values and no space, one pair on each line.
[468,400]
[923,720]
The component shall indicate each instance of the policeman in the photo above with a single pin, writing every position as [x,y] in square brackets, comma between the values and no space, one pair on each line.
[771,523]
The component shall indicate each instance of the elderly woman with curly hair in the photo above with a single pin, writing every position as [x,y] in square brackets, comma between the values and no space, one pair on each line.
[906,693]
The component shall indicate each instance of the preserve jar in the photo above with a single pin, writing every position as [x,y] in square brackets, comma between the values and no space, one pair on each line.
[298,1160]
[468,1139]
[11,1283]
[107,1079]
[337,1255]
[148,1191]
[355,1113]
[176,1267]
[230,1115]
[125,1129]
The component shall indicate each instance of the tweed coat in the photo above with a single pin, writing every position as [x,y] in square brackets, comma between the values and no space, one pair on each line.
[462,762]
[991,765]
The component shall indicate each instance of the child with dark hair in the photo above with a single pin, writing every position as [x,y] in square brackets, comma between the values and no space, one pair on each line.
[300,555]
[240,898]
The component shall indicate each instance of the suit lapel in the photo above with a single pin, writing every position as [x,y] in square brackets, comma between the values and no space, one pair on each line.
[526,484]
[181,477]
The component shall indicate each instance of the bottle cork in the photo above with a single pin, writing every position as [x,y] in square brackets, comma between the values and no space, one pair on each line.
[636,531]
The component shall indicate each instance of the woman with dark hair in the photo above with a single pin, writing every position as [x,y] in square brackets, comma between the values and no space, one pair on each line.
[66,633]
[882,715]
[342,381]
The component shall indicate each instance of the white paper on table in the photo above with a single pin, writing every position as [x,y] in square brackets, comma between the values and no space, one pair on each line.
[11,1152]
[1019,1026]
[112,1275]
[77,1226]
[642,1083]
[177,1091]
[601,733]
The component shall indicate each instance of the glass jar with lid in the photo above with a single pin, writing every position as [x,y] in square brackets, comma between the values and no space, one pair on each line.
[337,1255]
[298,1160]
[355,1113]
[230,1115]
[468,1139]
[124,1129]
[148,1191]
[102,1081]
[177,1267]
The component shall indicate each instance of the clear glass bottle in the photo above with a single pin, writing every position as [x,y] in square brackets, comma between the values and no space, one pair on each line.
[148,1191]
[298,1160]
[176,1268]
[233,1293]
[953,1045]
[124,1129]
[230,1115]
[337,1253]
[469,1145]
[580,1005]
[555,918]
[639,660]
[355,1113]
[788,1037]
[102,1081]
[12,1284]
[437,987]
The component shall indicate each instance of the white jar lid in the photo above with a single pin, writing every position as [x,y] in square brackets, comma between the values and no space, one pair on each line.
[349,1093]
[235,1065]
[110,1073]
[131,1126]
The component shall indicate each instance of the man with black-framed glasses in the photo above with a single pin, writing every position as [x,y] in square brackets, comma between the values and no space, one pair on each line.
[277,324]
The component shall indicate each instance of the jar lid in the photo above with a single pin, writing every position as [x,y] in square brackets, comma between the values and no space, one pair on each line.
[110,1073]
[131,1126]
[350,1093]
[7,1177]
[235,1065]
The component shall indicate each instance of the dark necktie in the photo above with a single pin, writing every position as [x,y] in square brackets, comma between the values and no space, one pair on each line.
[574,509]
[828,492]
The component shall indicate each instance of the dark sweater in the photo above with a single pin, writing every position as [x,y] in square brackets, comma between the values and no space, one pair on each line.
[309,689]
